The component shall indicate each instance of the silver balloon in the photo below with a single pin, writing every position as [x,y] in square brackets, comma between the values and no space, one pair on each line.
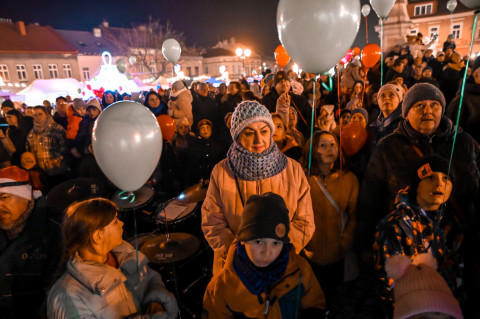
[171,50]
[317,34]
[451,5]
[127,143]
[472,4]
[382,7]
[365,10]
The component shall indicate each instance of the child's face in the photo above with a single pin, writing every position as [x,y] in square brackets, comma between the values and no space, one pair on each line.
[263,251]
[433,191]
[327,149]
[81,111]
[358,118]
[93,112]
[28,160]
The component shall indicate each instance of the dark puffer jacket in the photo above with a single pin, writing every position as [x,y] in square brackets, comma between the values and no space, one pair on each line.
[392,165]
[29,262]
[470,115]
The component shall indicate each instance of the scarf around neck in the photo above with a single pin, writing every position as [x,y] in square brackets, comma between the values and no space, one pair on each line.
[39,128]
[253,166]
[16,228]
[258,280]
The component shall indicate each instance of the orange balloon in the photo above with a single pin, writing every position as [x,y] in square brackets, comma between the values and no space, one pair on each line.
[281,56]
[354,137]
[167,125]
[371,54]
[356,51]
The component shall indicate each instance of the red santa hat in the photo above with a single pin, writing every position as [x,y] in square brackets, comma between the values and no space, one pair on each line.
[14,181]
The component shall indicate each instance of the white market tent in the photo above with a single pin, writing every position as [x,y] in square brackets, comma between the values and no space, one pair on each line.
[50,89]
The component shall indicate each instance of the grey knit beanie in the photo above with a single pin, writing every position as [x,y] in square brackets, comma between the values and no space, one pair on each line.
[393,87]
[422,92]
[249,112]
[362,111]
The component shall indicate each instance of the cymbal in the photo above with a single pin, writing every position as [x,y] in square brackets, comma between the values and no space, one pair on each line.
[74,190]
[161,250]
[194,194]
[142,196]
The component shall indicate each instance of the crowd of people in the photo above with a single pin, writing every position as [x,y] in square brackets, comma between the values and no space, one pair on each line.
[388,231]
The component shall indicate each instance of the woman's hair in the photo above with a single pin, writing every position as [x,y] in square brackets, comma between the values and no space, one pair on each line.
[148,96]
[237,85]
[17,114]
[82,219]
[315,158]
[353,95]
[249,96]
[104,102]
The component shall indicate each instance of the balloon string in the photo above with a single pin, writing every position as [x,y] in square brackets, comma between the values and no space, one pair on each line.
[462,91]
[311,128]
[338,85]
[173,70]
[364,84]
[366,27]
[381,52]
[130,196]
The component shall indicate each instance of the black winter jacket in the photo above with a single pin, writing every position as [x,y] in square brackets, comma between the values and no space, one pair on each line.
[392,166]
[29,263]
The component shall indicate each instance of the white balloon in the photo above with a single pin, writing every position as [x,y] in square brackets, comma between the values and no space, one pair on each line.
[365,10]
[472,4]
[171,50]
[382,7]
[127,144]
[451,5]
[317,34]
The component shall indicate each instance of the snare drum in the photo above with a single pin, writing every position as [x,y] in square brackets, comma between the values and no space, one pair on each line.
[143,207]
[175,216]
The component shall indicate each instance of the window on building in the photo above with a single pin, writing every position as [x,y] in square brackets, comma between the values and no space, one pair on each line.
[153,66]
[86,74]
[206,70]
[423,9]
[67,70]
[52,68]
[21,72]
[4,72]
[197,71]
[414,32]
[37,71]
[457,31]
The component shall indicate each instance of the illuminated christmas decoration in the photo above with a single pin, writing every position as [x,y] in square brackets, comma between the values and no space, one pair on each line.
[109,79]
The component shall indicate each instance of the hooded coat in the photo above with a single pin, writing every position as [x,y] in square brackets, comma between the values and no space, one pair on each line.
[181,105]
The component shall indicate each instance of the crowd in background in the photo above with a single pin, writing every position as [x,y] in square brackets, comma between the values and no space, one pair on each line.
[410,122]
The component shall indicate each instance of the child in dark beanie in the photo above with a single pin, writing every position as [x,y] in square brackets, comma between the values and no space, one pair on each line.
[263,277]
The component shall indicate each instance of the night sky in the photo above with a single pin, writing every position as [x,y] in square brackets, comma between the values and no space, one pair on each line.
[204,23]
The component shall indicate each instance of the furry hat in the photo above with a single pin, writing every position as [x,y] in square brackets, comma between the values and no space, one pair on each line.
[249,112]
[178,85]
[78,104]
[264,216]
[419,288]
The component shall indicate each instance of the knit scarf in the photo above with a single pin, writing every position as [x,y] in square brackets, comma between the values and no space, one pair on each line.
[16,228]
[39,128]
[258,280]
[253,166]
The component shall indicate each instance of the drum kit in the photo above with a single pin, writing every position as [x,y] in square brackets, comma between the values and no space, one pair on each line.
[168,233]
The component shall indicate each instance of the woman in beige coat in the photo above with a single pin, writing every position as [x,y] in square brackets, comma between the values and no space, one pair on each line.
[254,165]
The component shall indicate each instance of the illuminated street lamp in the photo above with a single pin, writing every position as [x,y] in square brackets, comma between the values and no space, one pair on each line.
[243,54]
